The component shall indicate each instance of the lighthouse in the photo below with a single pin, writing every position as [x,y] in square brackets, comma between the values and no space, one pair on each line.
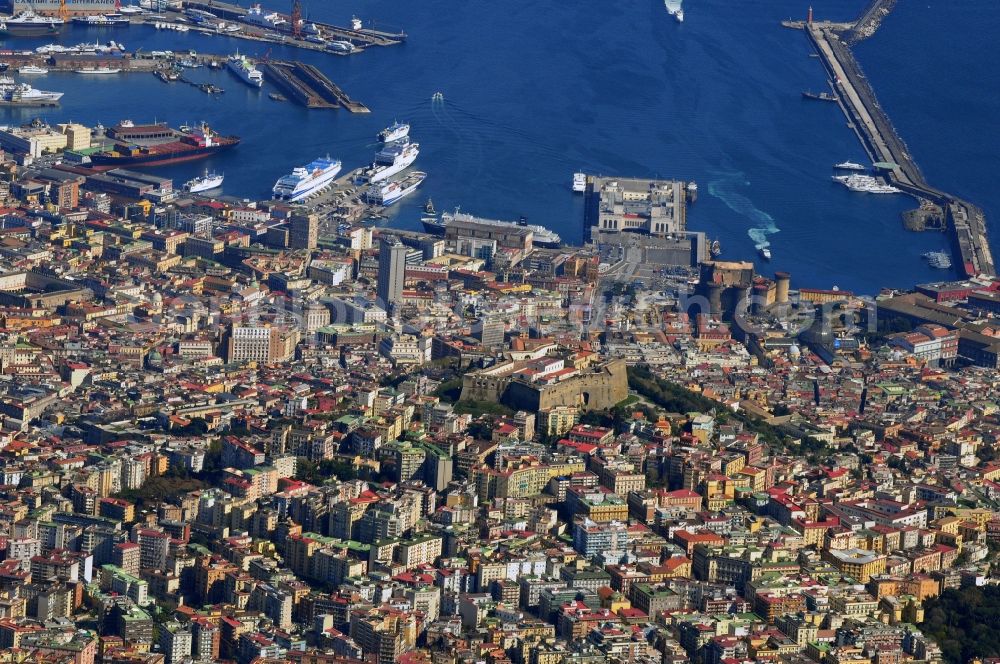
[809,16]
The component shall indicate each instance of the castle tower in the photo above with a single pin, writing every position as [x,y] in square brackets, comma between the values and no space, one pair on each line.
[782,282]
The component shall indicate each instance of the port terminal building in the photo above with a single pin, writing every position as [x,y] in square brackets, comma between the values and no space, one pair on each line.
[648,214]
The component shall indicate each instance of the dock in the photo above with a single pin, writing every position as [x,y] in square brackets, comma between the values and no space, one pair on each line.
[309,86]
[856,98]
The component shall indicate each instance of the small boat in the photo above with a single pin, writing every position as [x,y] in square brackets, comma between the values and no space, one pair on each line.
[849,166]
[765,253]
[437,96]
[32,69]
[429,207]
[206,182]
[355,23]
[277,96]
[579,182]
[820,96]
[715,249]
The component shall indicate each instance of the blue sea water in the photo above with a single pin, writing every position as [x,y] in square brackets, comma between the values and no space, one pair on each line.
[536,91]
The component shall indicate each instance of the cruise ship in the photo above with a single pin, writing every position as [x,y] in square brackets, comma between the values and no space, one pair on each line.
[306,180]
[102,20]
[30,24]
[205,182]
[541,236]
[387,193]
[390,160]
[12,92]
[245,71]
[394,132]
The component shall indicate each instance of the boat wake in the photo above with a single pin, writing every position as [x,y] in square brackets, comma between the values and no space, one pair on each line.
[726,189]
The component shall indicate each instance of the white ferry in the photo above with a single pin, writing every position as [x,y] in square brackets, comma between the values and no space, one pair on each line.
[307,180]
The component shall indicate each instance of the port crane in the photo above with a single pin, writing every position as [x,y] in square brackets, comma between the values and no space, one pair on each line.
[296,17]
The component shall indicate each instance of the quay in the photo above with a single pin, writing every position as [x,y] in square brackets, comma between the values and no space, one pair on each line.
[309,86]
[25,103]
[364,37]
[965,221]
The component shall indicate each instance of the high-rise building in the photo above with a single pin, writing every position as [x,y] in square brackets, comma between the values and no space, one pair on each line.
[391,269]
[175,642]
[491,332]
[303,231]
[262,344]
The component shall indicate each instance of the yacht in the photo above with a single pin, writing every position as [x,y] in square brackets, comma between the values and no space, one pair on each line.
[849,166]
[765,253]
[98,70]
[29,24]
[579,182]
[866,184]
[12,92]
[32,69]
[340,46]
[675,9]
[102,20]
[938,259]
[206,182]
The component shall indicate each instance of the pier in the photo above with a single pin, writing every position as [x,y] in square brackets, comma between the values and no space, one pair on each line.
[869,21]
[965,221]
[309,86]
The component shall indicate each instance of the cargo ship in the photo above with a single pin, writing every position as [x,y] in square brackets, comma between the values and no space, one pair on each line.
[390,192]
[157,144]
[542,236]
[30,24]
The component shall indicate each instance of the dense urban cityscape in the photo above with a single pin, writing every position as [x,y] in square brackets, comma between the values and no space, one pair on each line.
[284,431]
